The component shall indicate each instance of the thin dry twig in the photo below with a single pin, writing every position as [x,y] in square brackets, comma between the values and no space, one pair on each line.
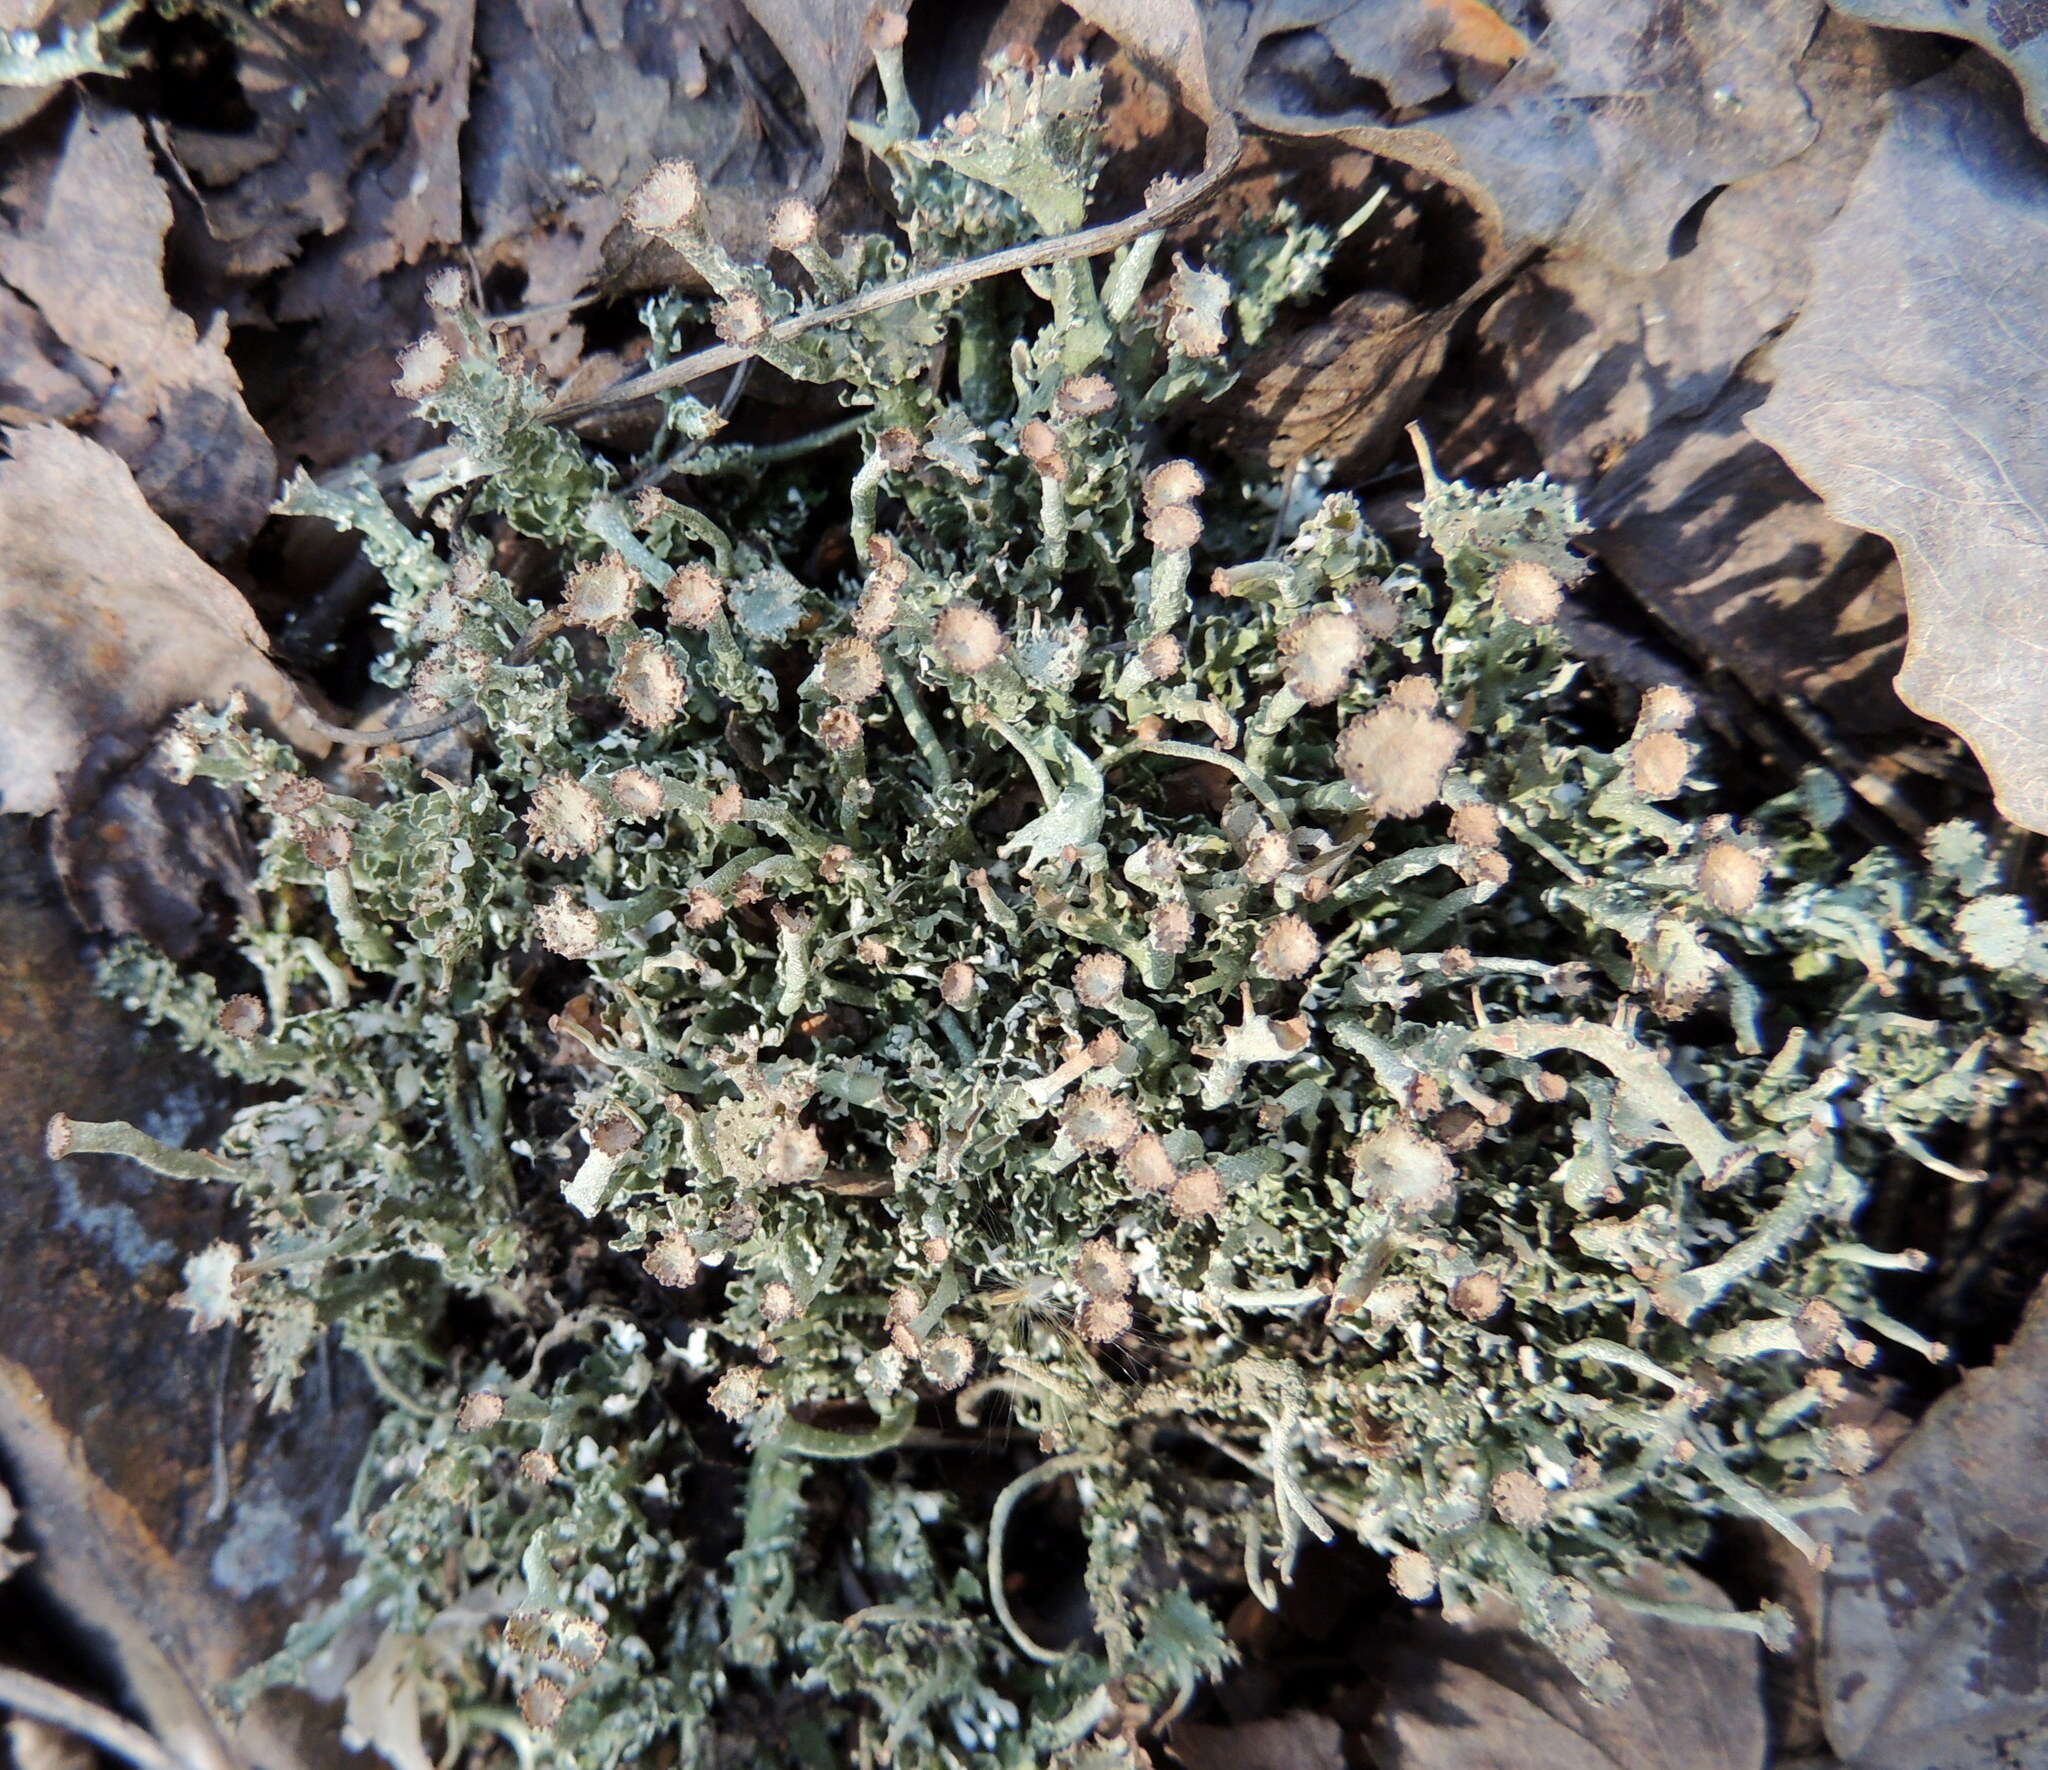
[27,1694]
[1089,242]
[376,736]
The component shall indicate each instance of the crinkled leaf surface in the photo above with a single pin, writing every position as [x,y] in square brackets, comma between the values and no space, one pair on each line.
[1634,386]
[1343,390]
[108,622]
[2016,31]
[1711,530]
[86,252]
[323,80]
[581,102]
[391,133]
[826,45]
[139,852]
[1912,394]
[1621,115]
[1602,357]
[1935,1637]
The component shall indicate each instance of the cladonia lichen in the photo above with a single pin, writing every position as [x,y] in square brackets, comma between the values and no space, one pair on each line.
[971,957]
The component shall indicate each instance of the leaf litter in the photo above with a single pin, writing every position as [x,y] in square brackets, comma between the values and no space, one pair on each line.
[1910,394]
[1935,1646]
[1629,366]
[108,622]
[1476,1693]
[1683,232]
[85,251]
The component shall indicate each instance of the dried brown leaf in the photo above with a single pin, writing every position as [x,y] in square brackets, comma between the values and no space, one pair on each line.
[86,250]
[1479,1695]
[1344,389]
[1300,1741]
[1601,357]
[351,182]
[335,404]
[373,153]
[1636,385]
[826,45]
[1618,122]
[1622,115]
[141,853]
[2016,31]
[1909,394]
[1715,534]
[1933,1647]
[108,622]
[580,103]
[1170,37]
[1478,33]
[325,79]
[39,377]
[407,197]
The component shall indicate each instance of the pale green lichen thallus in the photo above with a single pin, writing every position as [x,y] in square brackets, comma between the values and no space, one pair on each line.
[973,929]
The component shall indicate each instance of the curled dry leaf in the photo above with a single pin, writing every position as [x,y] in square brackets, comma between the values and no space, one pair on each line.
[538,151]
[1909,394]
[1636,387]
[1344,389]
[1618,118]
[1602,357]
[1714,533]
[108,622]
[396,78]
[86,254]
[579,106]
[1478,1695]
[317,171]
[140,852]
[826,44]
[2016,31]
[350,183]
[1171,37]
[1932,1648]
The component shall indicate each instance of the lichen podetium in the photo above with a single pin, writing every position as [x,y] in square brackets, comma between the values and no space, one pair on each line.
[1021,953]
